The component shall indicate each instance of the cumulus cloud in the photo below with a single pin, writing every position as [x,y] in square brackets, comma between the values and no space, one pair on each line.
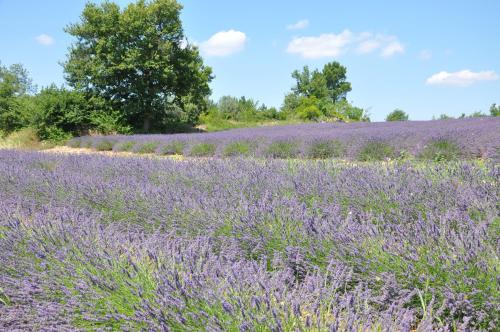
[425,55]
[302,24]
[224,43]
[461,78]
[45,40]
[332,45]
[325,45]
[391,49]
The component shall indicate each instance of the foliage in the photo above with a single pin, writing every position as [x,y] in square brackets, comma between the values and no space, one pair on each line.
[376,151]
[241,109]
[445,117]
[138,61]
[330,83]
[148,147]
[104,145]
[344,111]
[397,115]
[495,110]
[282,149]
[308,109]
[108,122]
[173,148]
[325,149]
[16,106]
[203,150]
[440,150]
[238,148]
[321,96]
[61,113]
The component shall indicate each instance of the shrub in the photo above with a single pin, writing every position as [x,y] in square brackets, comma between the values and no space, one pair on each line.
[60,113]
[282,149]
[326,149]
[397,115]
[375,151]
[495,110]
[104,145]
[172,148]
[148,147]
[440,150]
[203,150]
[109,122]
[239,148]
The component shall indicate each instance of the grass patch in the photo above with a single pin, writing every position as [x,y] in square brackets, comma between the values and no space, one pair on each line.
[22,139]
[203,150]
[376,151]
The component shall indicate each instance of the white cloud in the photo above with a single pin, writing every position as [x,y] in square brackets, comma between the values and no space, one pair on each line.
[45,40]
[425,55]
[332,45]
[325,45]
[302,24]
[461,78]
[393,48]
[368,46]
[224,43]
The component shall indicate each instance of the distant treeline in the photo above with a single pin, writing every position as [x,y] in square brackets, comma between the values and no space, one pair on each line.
[132,70]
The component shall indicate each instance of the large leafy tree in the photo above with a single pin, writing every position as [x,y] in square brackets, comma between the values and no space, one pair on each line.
[397,115]
[15,102]
[330,83]
[139,61]
[322,95]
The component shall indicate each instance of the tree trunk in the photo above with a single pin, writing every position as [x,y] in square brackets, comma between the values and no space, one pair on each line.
[146,125]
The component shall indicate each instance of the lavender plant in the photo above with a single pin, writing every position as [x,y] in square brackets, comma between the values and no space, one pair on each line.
[129,243]
[432,140]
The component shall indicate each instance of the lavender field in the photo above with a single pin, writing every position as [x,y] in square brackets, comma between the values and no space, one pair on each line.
[91,242]
[432,140]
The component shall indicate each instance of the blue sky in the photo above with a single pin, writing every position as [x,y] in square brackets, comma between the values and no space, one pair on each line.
[425,57]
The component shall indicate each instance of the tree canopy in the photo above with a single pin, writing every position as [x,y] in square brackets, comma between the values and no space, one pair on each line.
[140,62]
[15,105]
[322,95]
[329,83]
[397,115]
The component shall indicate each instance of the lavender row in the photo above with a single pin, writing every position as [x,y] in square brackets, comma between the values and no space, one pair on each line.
[89,242]
[446,139]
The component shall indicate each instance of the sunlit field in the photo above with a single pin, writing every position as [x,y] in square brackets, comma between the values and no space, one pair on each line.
[133,243]
[426,140]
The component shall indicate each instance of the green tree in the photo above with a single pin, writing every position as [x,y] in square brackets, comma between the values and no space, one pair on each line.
[62,113]
[495,110]
[138,60]
[329,83]
[308,109]
[445,117]
[16,106]
[335,76]
[397,115]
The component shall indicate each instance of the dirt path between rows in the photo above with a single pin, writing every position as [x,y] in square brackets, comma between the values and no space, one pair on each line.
[69,150]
